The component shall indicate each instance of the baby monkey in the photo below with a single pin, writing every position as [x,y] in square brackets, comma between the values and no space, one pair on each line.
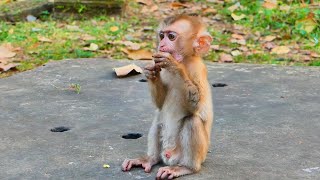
[180,133]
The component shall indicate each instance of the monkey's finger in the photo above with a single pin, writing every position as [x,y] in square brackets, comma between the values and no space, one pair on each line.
[125,164]
[158,60]
[147,168]
[129,165]
[164,175]
[171,176]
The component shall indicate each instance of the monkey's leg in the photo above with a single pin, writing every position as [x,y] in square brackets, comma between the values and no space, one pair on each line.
[153,156]
[194,147]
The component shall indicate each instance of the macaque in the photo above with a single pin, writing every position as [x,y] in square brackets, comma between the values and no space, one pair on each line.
[180,133]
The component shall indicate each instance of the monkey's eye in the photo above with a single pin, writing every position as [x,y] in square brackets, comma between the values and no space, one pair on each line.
[172,36]
[161,35]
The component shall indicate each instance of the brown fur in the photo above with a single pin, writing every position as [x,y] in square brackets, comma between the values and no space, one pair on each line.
[182,95]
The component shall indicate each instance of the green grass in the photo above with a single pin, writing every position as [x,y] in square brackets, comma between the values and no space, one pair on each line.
[67,43]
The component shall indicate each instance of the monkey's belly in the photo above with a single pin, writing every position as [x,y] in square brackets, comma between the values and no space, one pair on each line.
[170,119]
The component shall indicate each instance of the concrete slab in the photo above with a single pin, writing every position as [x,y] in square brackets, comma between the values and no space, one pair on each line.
[267,122]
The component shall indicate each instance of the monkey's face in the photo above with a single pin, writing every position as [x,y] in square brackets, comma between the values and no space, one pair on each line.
[176,39]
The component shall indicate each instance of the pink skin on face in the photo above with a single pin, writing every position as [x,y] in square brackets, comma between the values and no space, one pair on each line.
[167,45]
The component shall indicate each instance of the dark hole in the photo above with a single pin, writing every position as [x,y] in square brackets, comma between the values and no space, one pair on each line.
[142,80]
[132,136]
[219,85]
[60,129]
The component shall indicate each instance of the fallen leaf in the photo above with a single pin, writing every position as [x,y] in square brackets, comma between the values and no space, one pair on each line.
[308,24]
[236,17]
[243,48]
[269,45]
[226,58]
[237,36]
[176,5]
[92,47]
[215,47]
[44,39]
[6,67]
[127,70]
[73,28]
[114,28]
[234,7]
[280,50]
[315,55]
[145,2]
[147,9]
[284,7]
[269,38]
[132,45]
[138,54]
[236,53]
[268,4]
[87,37]
[238,41]
[6,53]
[209,11]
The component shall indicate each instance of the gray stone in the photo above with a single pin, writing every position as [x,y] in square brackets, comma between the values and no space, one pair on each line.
[266,122]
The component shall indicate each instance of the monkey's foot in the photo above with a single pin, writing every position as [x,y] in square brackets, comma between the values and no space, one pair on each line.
[129,163]
[170,172]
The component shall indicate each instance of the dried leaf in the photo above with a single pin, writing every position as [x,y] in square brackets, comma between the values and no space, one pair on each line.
[270,4]
[145,2]
[284,8]
[234,7]
[308,24]
[73,28]
[269,45]
[209,11]
[92,47]
[269,38]
[6,67]
[237,36]
[315,55]
[138,54]
[176,5]
[114,28]
[87,37]
[243,48]
[147,9]
[236,17]
[226,58]
[6,53]
[44,39]
[236,53]
[239,41]
[127,70]
[215,47]
[280,50]
[132,45]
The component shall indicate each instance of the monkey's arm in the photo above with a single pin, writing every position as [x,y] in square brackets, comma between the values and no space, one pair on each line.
[158,92]
[157,88]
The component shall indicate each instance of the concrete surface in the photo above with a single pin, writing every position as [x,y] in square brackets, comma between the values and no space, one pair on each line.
[267,122]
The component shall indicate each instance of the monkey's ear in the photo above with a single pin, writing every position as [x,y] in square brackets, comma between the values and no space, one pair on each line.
[202,44]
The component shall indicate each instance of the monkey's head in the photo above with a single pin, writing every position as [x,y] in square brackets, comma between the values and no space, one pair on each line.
[183,36]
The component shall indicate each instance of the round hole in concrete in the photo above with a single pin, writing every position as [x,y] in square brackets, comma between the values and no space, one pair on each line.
[219,85]
[60,129]
[142,80]
[132,136]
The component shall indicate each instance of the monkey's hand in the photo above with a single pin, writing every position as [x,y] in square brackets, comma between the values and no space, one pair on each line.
[152,72]
[145,163]
[165,60]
